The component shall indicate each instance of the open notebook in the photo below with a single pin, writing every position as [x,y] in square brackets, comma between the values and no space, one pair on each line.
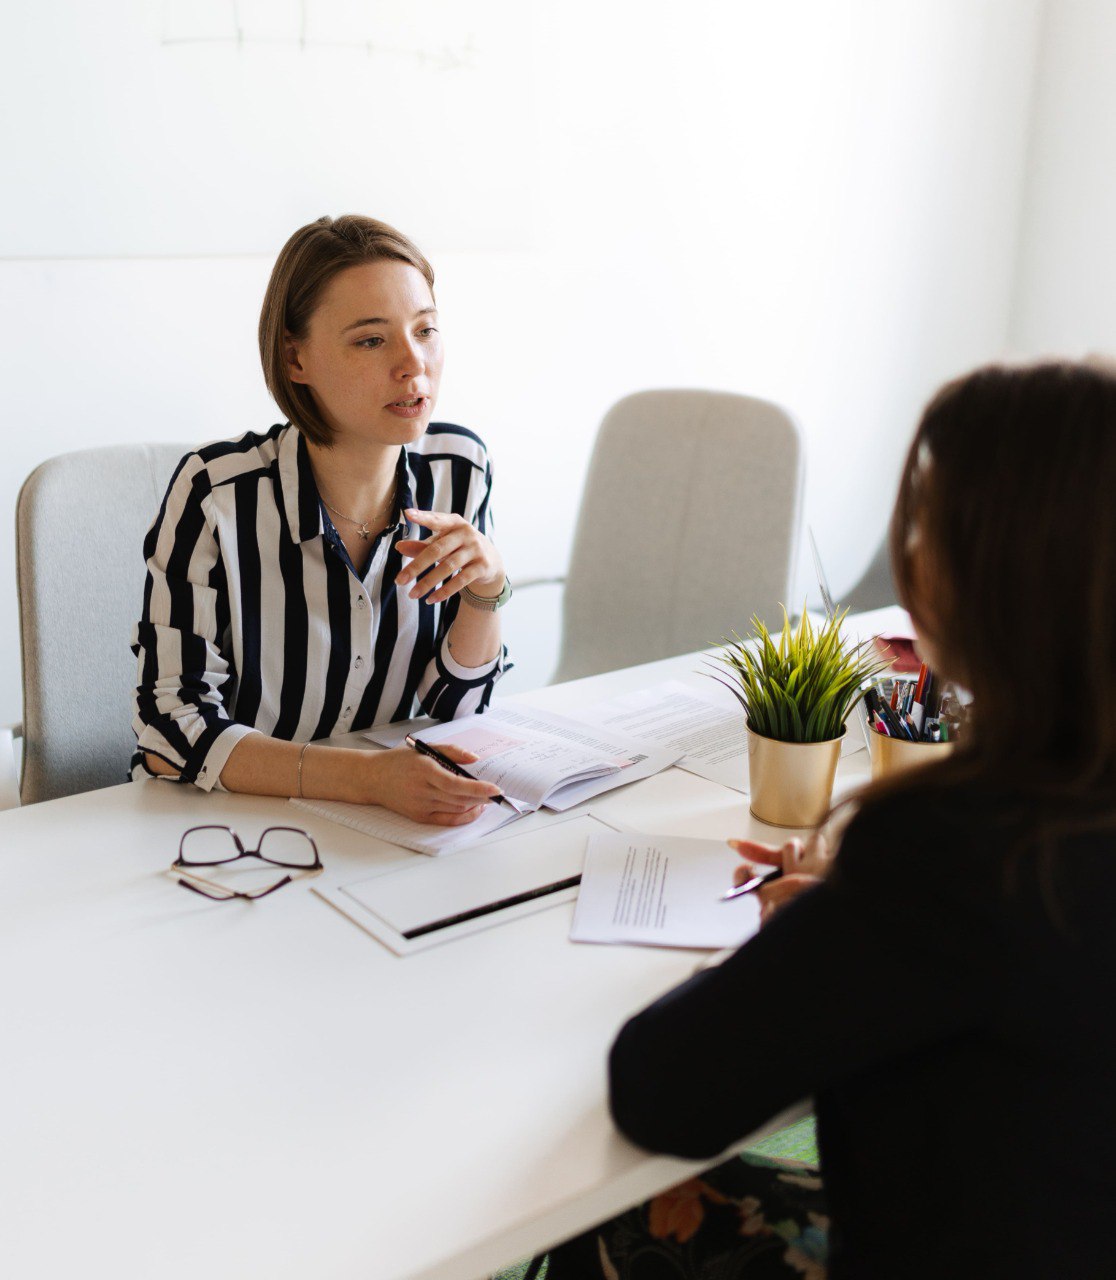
[537,759]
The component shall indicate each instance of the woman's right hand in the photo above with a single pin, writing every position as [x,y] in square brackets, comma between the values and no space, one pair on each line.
[419,788]
[803,862]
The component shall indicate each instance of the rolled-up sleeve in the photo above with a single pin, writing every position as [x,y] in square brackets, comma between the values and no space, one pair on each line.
[447,689]
[185,670]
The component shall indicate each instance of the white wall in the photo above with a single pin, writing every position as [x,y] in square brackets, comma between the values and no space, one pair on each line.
[813,201]
[1065,299]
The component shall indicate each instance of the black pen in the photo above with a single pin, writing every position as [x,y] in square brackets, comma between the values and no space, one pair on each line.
[490,908]
[425,749]
[750,886]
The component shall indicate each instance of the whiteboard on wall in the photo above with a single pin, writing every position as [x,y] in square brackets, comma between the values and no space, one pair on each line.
[213,127]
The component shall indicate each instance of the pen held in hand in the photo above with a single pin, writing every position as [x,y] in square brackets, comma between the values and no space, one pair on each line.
[750,886]
[424,749]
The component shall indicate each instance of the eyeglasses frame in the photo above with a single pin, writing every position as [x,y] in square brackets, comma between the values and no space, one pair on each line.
[224,894]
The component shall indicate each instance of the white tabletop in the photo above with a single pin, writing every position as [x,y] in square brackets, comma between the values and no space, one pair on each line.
[239,1090]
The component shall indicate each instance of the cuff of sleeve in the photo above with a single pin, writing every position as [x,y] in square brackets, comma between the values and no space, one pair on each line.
[471,675]
[208,760]
[209,773]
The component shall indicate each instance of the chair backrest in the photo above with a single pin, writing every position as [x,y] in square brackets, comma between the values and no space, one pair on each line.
[80,525]
[688,525]
[875,587]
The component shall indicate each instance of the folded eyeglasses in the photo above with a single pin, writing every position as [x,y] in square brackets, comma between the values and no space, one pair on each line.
[206,848]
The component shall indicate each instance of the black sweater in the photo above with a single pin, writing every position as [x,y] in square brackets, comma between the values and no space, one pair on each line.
[958,1033]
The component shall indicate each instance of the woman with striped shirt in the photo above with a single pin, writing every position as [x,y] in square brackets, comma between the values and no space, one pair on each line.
[333,572]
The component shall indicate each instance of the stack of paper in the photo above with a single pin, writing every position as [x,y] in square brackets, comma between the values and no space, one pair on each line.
[705,727]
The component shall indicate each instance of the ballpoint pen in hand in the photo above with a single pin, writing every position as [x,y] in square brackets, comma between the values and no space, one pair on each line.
[750,886]
[425,749]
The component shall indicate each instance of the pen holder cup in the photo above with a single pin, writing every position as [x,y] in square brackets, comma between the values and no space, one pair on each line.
[790,783]
[895,755]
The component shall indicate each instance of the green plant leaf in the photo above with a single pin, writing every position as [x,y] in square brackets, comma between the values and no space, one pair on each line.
[799,685]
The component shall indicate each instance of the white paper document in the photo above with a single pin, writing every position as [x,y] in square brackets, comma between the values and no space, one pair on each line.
[661,891]
[534,866]
[892,620]
[541,759]
[705,725]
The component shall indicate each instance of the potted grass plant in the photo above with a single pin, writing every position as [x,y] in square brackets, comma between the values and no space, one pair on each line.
[797,689]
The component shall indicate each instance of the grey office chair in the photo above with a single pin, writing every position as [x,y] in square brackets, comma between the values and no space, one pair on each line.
[688,525]
[80,524]
[875,587]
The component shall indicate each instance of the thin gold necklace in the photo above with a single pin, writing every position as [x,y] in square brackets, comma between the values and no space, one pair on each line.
[362,525]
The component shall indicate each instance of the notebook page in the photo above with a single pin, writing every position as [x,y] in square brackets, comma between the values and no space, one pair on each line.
[422,837]
[523,763]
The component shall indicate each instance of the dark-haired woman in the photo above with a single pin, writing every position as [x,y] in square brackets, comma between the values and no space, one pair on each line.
[945,989]
[334,572]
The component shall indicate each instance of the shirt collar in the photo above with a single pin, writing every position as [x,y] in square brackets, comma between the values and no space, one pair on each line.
[300,493]
[301,500]
[403,488]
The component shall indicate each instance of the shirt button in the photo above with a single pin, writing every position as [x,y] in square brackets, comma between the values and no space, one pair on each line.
[360,602]
[347,712]
[359,662]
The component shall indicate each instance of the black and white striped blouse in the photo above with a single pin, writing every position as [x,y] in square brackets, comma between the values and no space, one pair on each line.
[254,618]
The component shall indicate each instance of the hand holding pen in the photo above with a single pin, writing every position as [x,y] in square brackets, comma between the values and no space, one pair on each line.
[453,765]
[776,874]
[421,788]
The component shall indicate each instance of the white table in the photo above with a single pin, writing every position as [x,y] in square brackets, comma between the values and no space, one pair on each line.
[239,1090]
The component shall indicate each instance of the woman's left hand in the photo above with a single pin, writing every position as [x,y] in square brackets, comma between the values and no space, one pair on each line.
[457,555]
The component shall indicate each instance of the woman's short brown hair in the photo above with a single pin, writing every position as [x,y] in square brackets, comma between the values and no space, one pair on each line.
[306,264]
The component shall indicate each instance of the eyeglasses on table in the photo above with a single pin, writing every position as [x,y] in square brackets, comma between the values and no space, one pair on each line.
[206,847]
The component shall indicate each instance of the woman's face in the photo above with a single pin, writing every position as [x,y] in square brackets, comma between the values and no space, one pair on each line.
[372,354]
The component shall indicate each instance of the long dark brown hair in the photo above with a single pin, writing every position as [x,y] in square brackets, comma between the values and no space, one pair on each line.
[1003,548]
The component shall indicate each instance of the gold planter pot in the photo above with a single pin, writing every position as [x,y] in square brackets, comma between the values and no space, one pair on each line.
[895,755]
[791,782]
